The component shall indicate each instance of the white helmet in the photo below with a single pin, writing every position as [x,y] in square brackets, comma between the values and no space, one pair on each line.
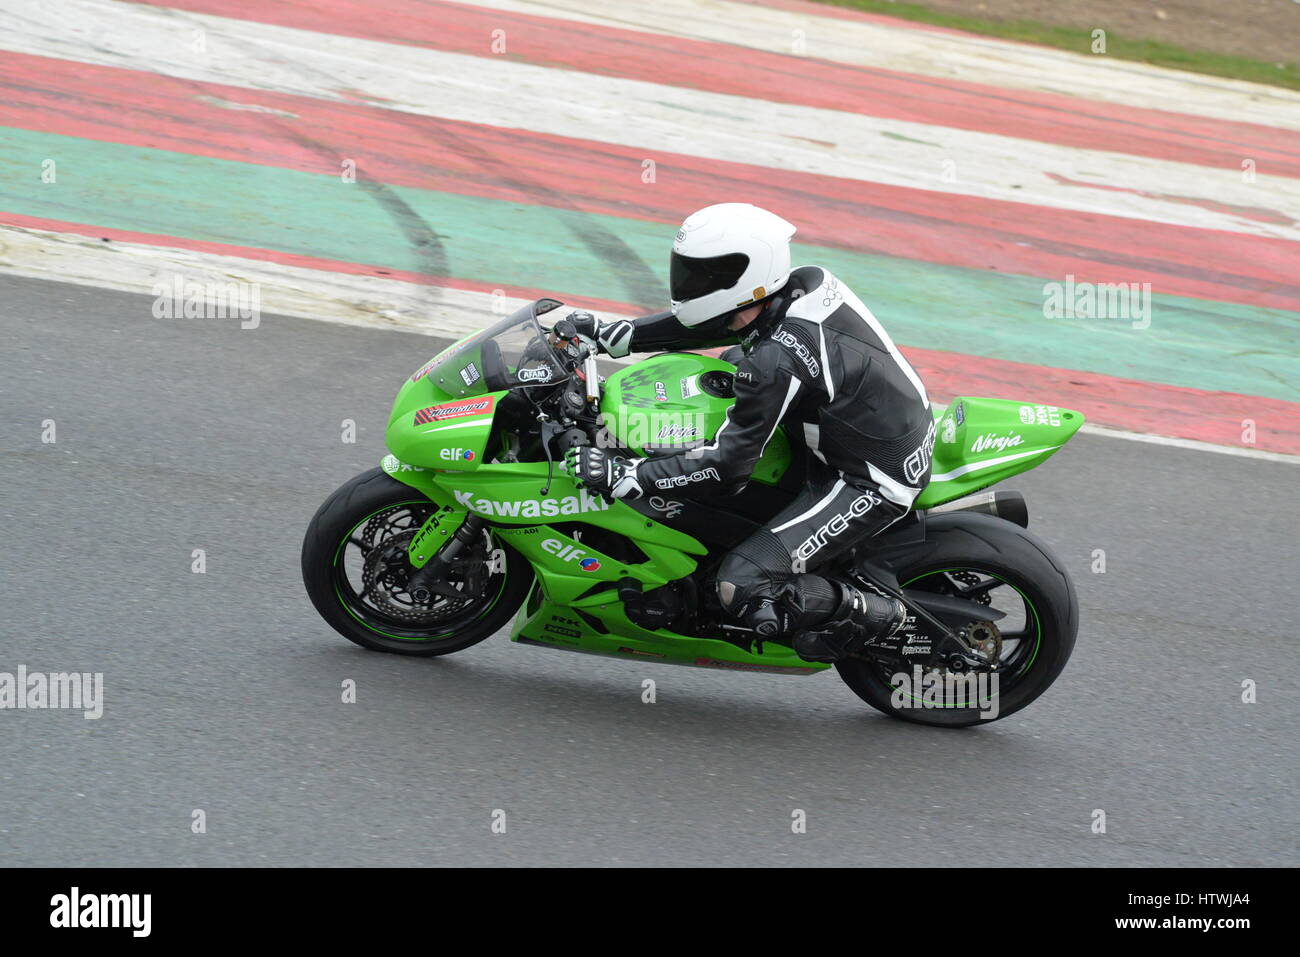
[726,257]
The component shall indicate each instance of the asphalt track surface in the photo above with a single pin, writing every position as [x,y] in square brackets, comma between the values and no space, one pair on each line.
[223,689]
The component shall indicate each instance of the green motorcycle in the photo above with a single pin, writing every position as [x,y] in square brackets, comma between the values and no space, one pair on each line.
[472,521]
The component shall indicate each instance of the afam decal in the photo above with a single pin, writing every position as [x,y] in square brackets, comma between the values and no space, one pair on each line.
[538,374]
[534,508]
[455,410]
[989,442]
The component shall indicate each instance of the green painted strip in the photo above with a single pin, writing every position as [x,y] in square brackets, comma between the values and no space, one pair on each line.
[1196,343]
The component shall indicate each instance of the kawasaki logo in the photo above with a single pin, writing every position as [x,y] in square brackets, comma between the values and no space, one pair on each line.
[988,441]
[534,508]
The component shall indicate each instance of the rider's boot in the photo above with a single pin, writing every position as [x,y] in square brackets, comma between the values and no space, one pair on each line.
[858,617]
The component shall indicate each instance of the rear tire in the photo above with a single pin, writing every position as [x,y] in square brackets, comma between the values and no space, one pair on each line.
[341,520]
[994,547]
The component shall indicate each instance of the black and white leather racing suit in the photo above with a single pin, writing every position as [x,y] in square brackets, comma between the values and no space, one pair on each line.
[817,360]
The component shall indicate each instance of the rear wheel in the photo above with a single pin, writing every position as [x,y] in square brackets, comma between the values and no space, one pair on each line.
[995,563]
[355,568]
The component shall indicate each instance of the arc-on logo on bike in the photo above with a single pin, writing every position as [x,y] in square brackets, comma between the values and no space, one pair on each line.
[460,409]
[569,553]
[453,454]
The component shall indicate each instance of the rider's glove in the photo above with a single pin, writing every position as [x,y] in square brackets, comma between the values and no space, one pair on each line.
[614,338]
[609,476]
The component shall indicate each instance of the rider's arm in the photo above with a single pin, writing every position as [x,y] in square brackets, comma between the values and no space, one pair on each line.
[660,332]
[768,383]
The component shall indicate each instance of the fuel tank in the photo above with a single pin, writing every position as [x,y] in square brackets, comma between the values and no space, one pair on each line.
[677,401]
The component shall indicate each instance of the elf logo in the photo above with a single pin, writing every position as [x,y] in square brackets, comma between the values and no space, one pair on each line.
[570,553]
[451,454]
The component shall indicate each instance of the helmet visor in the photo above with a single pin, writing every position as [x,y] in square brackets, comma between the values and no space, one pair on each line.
[690,277]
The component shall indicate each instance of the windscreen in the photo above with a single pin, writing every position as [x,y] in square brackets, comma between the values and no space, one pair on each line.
[513,353]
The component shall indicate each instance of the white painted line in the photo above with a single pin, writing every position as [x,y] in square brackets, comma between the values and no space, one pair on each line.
[355,300]
[1244,452]
[651,118]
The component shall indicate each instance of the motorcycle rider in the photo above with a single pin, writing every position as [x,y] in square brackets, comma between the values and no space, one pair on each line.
[816,358]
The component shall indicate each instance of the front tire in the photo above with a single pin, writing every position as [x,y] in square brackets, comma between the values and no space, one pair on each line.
[354,567]
[980,554]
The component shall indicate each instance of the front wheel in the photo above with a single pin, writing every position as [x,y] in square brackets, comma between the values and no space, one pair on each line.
[355,569]
[995,563]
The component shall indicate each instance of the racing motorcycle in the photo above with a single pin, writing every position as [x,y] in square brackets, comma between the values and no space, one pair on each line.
[471,522]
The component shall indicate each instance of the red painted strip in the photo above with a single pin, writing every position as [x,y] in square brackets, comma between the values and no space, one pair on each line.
[1130,404]
[721,68]
[143,109]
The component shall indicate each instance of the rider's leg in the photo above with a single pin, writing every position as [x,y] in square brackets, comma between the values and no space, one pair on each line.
[766,582]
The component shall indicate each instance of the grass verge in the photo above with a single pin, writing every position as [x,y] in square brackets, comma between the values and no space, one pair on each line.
[1080,41]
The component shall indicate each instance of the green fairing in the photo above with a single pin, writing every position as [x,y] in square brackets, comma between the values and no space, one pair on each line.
[979,442]
[658,402]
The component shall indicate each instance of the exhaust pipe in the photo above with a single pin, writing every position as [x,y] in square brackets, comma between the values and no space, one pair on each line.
[1008,505]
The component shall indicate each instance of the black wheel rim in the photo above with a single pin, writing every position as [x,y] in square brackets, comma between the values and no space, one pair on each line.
[1020,633]
[369,570]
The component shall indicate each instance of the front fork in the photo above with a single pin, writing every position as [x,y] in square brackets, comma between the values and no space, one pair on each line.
[443,536]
